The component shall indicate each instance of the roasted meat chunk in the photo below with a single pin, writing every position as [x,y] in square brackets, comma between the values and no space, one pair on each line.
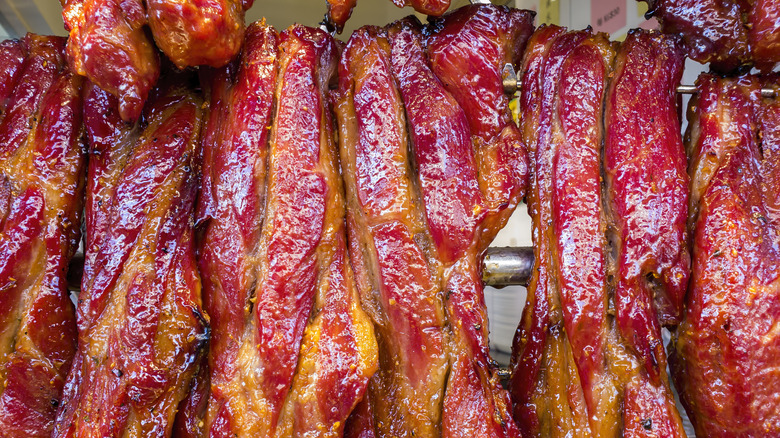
[468,50]
[712,30]
[200,32]
[475,405]
[764,32]
[292,350]
[42,164]
[575,370]
[339,11]
[109,45]
[726,350]
[140,327]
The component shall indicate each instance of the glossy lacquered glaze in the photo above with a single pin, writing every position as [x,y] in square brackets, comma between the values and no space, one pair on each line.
[576,369]
[727,33]
[140,326]
[292,350]
[727,348]
[42,162]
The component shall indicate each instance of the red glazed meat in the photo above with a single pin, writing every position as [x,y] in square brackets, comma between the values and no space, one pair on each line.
[197,32]
[398,282]
[468,49]
[573,371]
[286,316]
[41,196]
[141,330]
[727,348]
[109,45]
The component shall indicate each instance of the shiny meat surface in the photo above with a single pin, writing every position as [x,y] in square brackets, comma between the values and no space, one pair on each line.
[42,162]
[427,7]
[573,371]
[197,32]
[468,49]
[109,45]
[728,33]
[647,194]
[292,350]
[764,32]
[475,405]
[338,352]
[140,327]
[727,349]
[645,169]
[398,281]
[712,30]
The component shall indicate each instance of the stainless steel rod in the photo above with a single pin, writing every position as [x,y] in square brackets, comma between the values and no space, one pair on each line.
[508,266]
[512,85]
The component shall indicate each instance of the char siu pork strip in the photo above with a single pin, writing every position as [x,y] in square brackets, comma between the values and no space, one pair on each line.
[109,45]
[712,30]
[446,173]
[647,183]
[727,348]
[141,330]
[572,371]
[560,382]
[200,32]
[230,211]
[398,279]
[764,32]
[293,350]
[647,195]
[338,351]
[42,163]
[468,49]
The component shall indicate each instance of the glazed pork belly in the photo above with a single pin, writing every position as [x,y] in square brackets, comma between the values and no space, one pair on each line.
[725,353]
[42,163]
[141,330]
[581,363]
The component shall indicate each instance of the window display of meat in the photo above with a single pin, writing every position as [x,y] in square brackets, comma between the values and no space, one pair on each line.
[576,365]
[726,350]
[41,197]
[140,327]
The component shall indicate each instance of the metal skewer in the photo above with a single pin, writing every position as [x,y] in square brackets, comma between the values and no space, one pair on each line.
[512,84]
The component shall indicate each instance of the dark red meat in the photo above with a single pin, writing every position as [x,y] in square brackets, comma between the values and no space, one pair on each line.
[141,330]
[727,348]
[41,196]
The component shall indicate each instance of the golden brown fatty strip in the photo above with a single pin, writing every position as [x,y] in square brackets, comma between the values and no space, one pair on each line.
[42,165]
[573,371]
[726,351]
[140,326]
